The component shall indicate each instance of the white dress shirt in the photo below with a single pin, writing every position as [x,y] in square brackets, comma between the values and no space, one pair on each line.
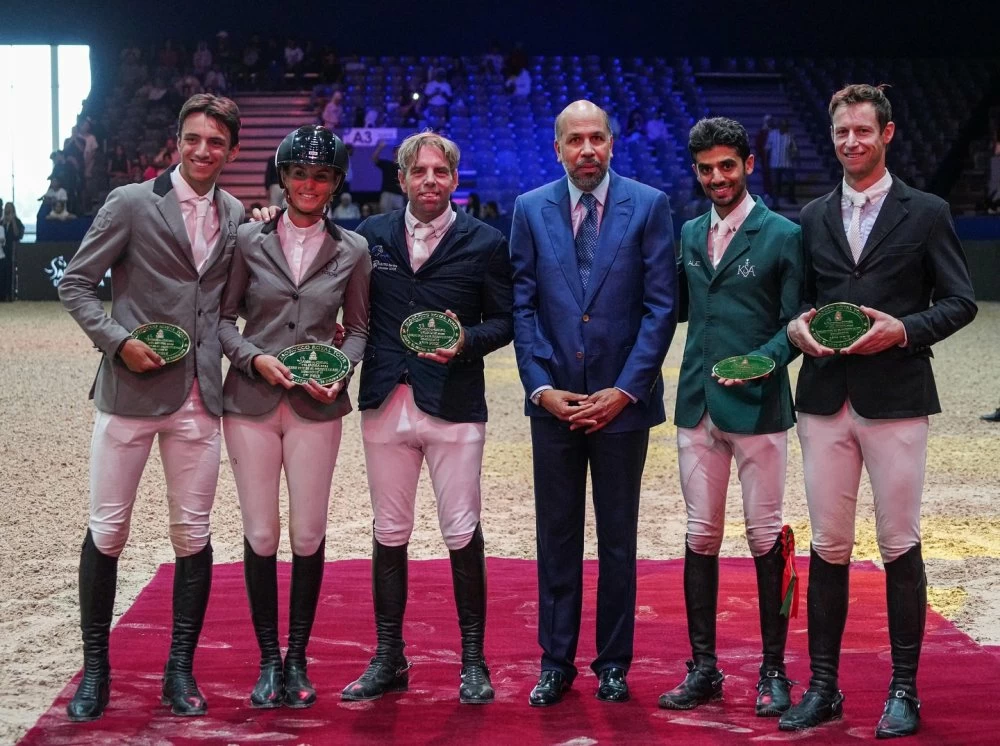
[189,199]
[439,226]
[722,229]
[300,245]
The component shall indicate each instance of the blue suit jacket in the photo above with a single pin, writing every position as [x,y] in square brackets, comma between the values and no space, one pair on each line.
[615,334]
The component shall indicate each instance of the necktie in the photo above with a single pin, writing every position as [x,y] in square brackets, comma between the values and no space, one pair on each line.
[586,239]
[854,229]
[199,246]
[421,252]
[721,242]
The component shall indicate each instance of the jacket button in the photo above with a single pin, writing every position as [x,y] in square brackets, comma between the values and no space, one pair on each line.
[857,275]
[200,312]
[291,324]
[579,356]
[413,303]
[198,343]
[295,296]
[586,318]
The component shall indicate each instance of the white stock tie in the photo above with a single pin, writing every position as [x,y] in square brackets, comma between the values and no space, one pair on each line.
[421,252]
[854,229]
[199,246]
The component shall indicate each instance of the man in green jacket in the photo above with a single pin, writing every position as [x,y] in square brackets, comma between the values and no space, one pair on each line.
[740,274]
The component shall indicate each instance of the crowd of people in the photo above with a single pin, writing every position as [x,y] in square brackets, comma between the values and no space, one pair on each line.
[591,295]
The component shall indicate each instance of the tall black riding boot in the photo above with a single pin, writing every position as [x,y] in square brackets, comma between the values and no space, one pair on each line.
[98,579]
[192,584]
[261,575]
[701,591]
[906,597]
[307,577]
[773,687]
[827,602]
[468,575]
[388,671]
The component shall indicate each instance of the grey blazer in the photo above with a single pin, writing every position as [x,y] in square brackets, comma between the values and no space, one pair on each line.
[139,235]
[280,314]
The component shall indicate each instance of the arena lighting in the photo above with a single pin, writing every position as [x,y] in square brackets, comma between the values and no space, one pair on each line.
[41,93]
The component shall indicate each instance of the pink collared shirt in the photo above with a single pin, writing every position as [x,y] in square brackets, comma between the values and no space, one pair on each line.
[722,230]
[577,212]
[188,199]
[300,245]
[439,226]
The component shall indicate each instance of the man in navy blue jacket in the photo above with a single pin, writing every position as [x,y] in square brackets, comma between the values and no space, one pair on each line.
[429,257]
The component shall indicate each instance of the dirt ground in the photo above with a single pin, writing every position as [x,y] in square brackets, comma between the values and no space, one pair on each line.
[47,365]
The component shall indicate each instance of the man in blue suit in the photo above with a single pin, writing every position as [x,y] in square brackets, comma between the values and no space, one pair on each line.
[594,290]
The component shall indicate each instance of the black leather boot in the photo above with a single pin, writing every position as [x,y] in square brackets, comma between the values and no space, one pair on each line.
[261,576]
[906,597]
[307,577]
[192,584]
[98,579]
[701,590]
[388,671]
[773,687]
[827,603]
[468,575]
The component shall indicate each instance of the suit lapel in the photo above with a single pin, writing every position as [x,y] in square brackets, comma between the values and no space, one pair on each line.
[834,220]
[222,210]
[271,246]
[889,216]
[327,252]
[170,209]
[398,248]
[614,223]
[740,244]
[559,225]
[448,241]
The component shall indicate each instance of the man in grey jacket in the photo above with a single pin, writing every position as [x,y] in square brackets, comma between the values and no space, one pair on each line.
[168,243]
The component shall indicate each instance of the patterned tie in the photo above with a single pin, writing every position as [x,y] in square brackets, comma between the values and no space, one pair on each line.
[586,239]
[421,252]
[199,246]
[854,229]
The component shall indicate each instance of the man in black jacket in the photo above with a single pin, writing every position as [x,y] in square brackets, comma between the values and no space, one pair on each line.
[429,257]
[890,249]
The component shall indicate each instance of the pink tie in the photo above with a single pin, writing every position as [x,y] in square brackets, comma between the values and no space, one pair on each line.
[199,246]
[421,251]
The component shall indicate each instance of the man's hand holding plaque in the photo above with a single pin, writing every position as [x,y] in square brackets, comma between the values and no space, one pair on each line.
[433,335]
[737,370]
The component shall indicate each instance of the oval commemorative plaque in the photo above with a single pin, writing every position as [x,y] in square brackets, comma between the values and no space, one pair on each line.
[168,341]
[318,362]
[839,325]
[743,367]
[429,330]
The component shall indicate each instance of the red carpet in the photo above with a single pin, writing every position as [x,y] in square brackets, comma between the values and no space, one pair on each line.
[959,680]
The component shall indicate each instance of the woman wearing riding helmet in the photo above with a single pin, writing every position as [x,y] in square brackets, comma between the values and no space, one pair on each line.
[290,279]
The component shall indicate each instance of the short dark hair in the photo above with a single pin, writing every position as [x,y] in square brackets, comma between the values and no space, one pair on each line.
[863,93]
[707,133]
[223,110]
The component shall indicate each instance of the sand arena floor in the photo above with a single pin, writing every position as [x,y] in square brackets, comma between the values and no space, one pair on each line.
[47,365]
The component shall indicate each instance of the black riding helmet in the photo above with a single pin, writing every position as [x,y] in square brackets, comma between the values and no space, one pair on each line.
[311,145]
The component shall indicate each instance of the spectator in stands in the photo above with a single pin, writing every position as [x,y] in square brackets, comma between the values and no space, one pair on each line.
[782,153]
[223,52]
[54,194]
[144,169]
[391,197]
[168,59]
[368,209]
[491,211]
[473,206]
[188,85]
[202,58]
[119,165]
[493,60]
[519,82]
[251,61]
[760,144]
[168,155]
[346,209]
[90,146]
[272,185]
[333,112]
[215,81]
[636,127]
[59,212]
[155,91]
[409,108]
[293,56]
[438,91]
[993,184]
[13,232]
[656,127]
